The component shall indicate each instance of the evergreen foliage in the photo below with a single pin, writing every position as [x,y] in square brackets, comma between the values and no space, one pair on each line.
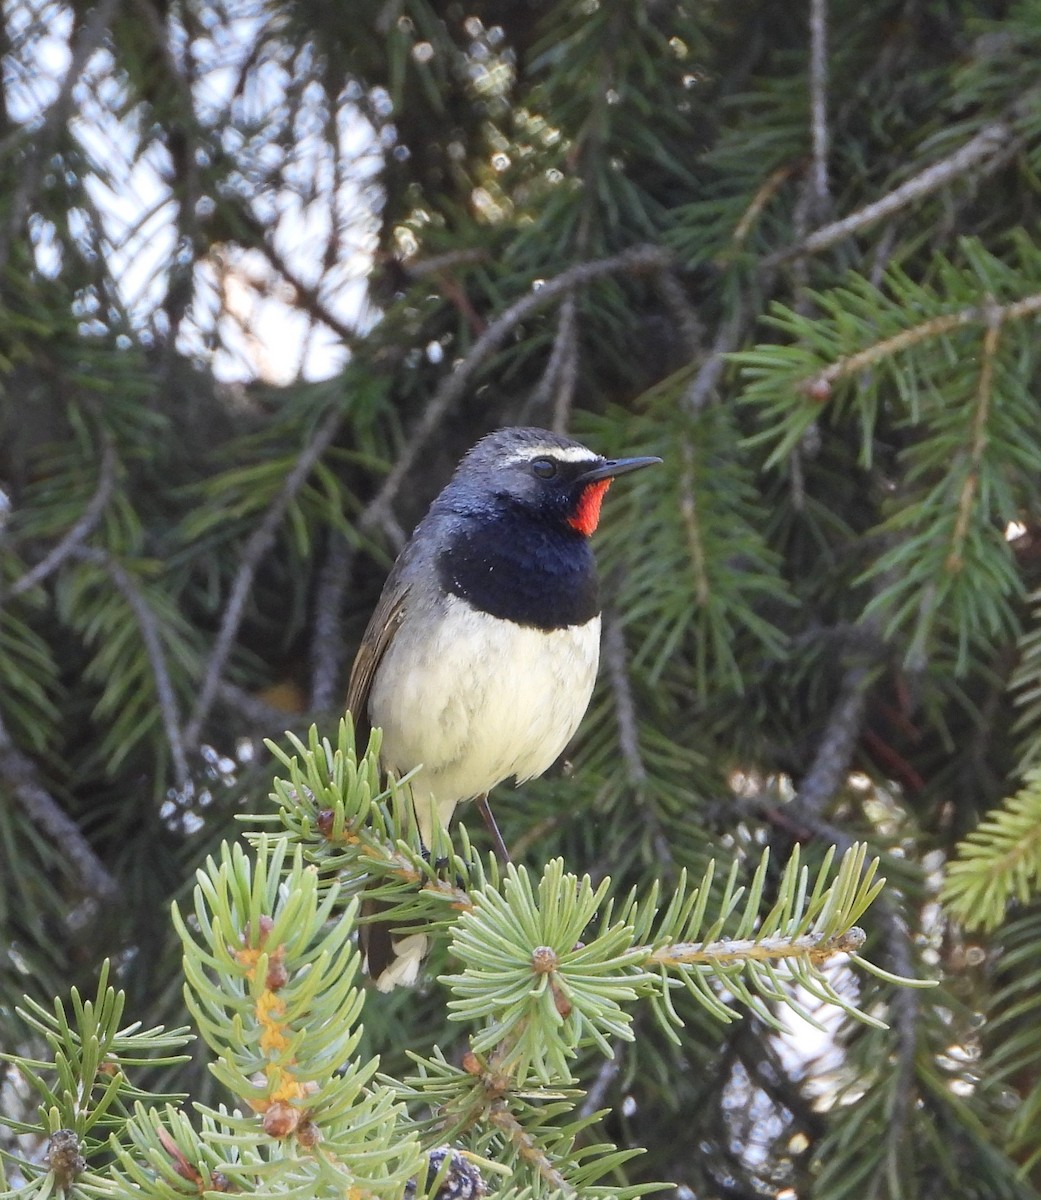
[270,967]
[266,271]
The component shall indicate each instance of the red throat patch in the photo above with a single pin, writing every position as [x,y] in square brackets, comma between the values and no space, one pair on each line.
[586,516]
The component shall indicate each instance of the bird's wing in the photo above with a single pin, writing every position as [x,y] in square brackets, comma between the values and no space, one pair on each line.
[379,633]
[376,942]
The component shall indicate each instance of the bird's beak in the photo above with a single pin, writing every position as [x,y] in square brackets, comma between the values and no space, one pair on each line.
[616,466]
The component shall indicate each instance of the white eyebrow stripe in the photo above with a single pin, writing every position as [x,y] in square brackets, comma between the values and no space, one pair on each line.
[570,454]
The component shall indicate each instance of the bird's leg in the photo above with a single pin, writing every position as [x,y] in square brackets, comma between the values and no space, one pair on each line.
[501,853]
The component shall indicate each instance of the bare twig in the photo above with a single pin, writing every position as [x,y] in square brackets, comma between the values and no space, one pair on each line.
[256,547]
[638,260]
[327,645]
[704,383]
[830,765]
[308,297]
[984,153]
[19,772]
[79,531]
[767,190]
[905,1010]
[970,483]
[681,310]
[44,137]
[147,624]
[819,104]
[528,1148]
[609,1069]
[616,660]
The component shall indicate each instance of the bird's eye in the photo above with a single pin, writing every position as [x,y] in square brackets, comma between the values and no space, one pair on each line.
[544,468]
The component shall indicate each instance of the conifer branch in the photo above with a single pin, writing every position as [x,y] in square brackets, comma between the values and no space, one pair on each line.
[984,153]
[20,775]
[256,547]
[830,767]
[166,697]
[528,1149]
[992,315]
[88,37]
[81,530]
[820,137]
[970,481]
[999,862]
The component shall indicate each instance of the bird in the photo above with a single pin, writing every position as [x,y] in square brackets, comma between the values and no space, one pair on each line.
[480,658]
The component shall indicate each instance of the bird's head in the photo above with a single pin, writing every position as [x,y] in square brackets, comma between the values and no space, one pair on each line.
[551,477]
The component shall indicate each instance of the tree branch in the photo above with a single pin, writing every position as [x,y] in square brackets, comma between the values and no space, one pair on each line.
[830,766]
[19,773]
[43,137]
[327,643]
[615,658]
[989,314]
[256,547]
[146,622]
[731,952]
[556,388]
[819,104]
[985,153]
[81,530]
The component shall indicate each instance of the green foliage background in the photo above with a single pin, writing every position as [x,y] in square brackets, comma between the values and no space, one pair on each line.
[789,248]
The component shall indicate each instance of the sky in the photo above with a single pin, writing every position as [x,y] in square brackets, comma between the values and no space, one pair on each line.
[318,201]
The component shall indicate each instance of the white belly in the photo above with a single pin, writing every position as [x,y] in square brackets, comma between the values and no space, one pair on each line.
[477,700]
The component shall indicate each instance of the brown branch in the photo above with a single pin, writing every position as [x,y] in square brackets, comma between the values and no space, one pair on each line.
[978,314]
[19,773]
[256,547]
[691,521]
[970,483]
[767,190]
[80,531]
[149,627]
[984,153]
[811,947]
[683,313]
[526,1146]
